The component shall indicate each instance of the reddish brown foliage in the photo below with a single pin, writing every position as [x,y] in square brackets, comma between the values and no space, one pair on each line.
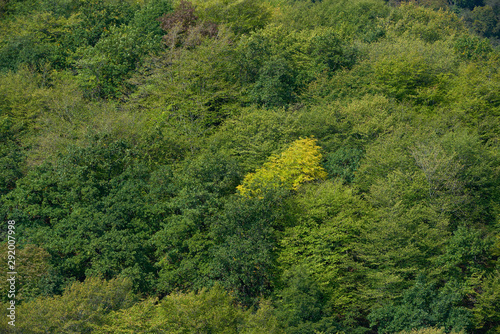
[182,26]
[183,17]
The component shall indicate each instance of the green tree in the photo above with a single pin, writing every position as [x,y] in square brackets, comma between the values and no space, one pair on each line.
[35,277]
[328,221]
[187,202]
[466,255]
[12,157]
[352,19]
[473,47]
[104,67]
[453,171]
[37,40]
[243,258]
[98,16]
[343,163]
[470,4]
[146,20]
[301,305]
[242,16]
[413,70]
[206,311]
[429,330]
[472,95]
[81,308]
[423,306]
[414,21]
[275,64]
[486,317]
[209,311]
[254,135]
[485,21]
[89,211]
[275,84]
[188,87]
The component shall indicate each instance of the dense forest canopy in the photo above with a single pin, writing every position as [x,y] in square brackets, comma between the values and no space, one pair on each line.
[251,166]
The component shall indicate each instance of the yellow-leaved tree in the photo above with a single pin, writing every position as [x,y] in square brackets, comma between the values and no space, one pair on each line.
[299,164]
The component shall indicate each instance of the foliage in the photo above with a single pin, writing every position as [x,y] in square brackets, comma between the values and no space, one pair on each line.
[11,156]
[251,166]
[318,248]
[89,198]
[40,112]
[243,16]
[425,24]
[468,3]
[81,308]
[208,311]
[274,86]
[279,67]
[471,47]
[423,306]
[183,24]
[352,19]
[485,21]
[103,68]
[466,254]
[296,165]
[23,99]
[429,330]
[343,163]
[300,305]
[413,70]
[183,17]
[100,38]
[138,318]
[471,94]
[254,135]
[146,19]
[107,63]
[187,202]
[34,277]
[42,39]
[485,312]
[451,170]
[189,91]
[211,311]
[327,223]
[98,16]
[244,256]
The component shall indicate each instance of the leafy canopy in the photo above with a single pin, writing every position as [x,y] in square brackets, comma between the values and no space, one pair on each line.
[299,164]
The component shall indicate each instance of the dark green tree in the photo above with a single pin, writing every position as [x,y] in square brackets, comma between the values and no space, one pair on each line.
[275,84]
[422,306]
[243,258]
[188,202]
[301,305]
[89,211]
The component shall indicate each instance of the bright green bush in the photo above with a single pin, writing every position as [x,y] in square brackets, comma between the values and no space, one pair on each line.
[207,311]
[81,308]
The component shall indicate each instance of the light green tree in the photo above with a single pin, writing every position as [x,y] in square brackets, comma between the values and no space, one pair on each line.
[298,164]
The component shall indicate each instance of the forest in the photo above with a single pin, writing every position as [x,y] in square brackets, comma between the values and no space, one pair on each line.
[250,166]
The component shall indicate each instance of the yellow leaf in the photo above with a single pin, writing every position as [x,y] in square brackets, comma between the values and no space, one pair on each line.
[299,164]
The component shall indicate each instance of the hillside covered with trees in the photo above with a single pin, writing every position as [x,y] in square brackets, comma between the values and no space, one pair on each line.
[251,166]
